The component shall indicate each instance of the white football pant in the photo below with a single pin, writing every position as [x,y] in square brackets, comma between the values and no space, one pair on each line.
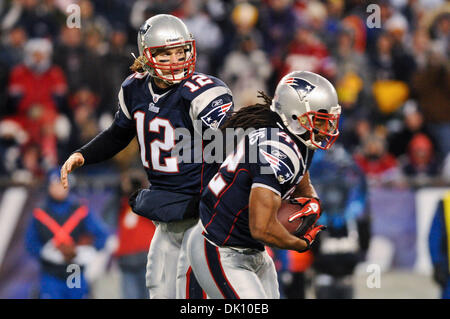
[226,272]
[167,264]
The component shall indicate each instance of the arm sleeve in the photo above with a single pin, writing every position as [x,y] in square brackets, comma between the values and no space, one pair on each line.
[212,107]
[275,166]
[107,144]
[262,177]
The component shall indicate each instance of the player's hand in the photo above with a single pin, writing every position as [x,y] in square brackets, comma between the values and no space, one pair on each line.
[309,213]
[68,251]
[311,235]
[73,162]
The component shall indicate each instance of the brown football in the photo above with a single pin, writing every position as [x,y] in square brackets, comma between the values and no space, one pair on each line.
[286,210]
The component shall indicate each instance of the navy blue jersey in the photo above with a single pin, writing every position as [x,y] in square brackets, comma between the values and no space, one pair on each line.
[169,123]
[266,157]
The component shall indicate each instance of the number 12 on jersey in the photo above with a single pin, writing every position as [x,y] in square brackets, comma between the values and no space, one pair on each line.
[156,146]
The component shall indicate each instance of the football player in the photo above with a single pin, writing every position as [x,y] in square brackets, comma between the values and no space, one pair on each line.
[162,95]
[238,209]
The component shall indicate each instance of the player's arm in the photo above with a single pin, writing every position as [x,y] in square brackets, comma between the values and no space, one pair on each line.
[263,222]
[109,142]
[305,188]
[211,105]
[103,147]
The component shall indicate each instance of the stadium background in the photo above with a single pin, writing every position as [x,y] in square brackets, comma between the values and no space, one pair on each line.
[393,82]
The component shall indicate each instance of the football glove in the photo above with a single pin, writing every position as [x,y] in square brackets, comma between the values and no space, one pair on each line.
[311,235]
[309,213]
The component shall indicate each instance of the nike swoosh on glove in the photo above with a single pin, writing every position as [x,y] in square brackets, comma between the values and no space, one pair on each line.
[309,212]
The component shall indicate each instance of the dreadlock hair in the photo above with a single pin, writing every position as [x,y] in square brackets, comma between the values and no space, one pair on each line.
[253,116]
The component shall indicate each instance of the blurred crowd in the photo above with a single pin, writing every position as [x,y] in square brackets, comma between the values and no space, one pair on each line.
[59,83]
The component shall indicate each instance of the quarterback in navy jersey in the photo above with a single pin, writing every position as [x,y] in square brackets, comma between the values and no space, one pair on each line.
[238,208]
[165,103]
[155,114]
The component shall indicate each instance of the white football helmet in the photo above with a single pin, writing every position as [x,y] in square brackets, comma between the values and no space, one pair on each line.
[308,106]
[164,31]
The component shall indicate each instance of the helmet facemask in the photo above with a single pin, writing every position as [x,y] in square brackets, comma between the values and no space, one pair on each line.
[321,127]
[169,72]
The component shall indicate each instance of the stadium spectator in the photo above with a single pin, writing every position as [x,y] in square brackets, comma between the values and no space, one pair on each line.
[380,167]
[144,9]
[63,232]
[70,55]
[80,57]
[276,22]
[12,137]
[431,86]
[118,57]
[82,125]
[246,70]
[134,234]
[373,33]
[421,164]
[242,23]
[316,15]
[30,165]
[384,64]
[39,18]
[342,188]
[244,18]
[89,20]
[420,47]
[307,52]
[11,54]
[352,79]
[353,135]
[389,87]
[207,34]
[413,123]
[37,91]
[404,64]
[440,27]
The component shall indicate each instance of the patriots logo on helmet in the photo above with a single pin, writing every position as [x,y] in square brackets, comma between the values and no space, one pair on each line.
[143,30]
[282,171]
[302,87]
[214,117]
